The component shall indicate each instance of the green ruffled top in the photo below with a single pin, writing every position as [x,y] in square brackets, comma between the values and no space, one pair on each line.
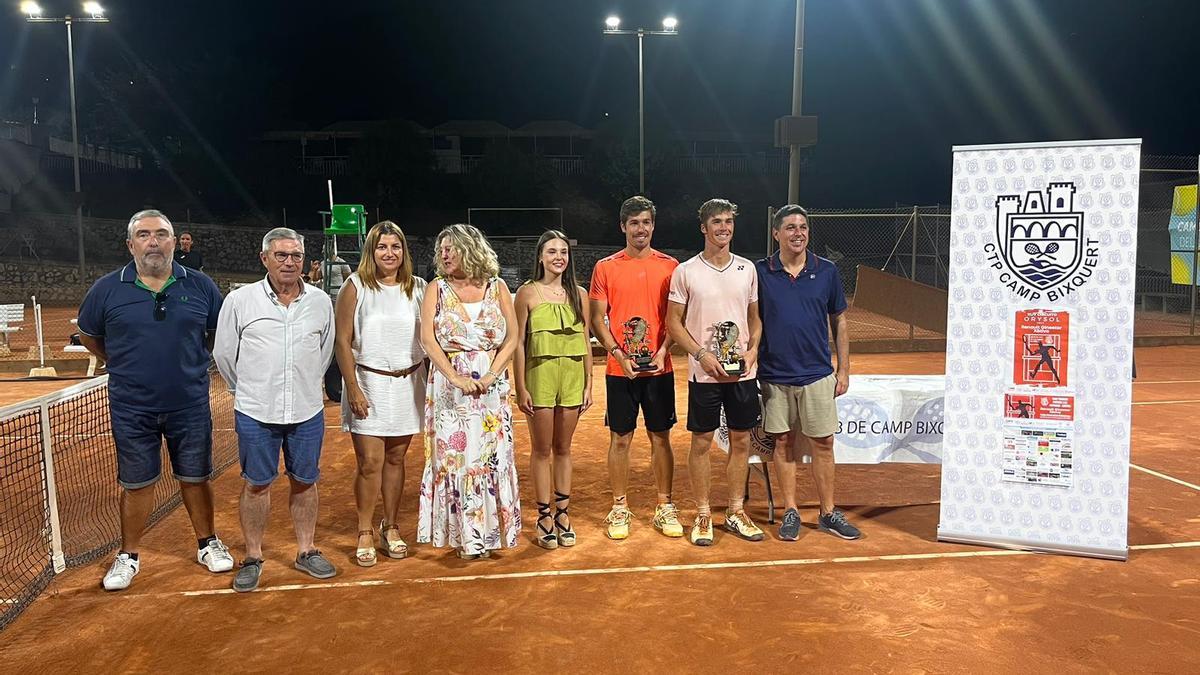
[554,330]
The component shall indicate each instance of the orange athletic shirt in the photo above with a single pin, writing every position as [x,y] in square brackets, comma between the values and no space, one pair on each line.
[631,287]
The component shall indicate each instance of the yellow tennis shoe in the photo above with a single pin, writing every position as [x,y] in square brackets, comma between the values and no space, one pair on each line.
[666,520]
[618,520]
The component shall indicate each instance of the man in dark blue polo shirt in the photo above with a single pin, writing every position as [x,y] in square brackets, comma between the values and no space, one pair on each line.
[152,322]
[800,300]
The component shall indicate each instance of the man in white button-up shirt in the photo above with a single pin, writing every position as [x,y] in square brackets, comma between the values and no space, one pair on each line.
[274,341]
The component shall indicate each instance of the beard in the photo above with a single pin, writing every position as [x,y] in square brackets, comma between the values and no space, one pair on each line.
[156,262]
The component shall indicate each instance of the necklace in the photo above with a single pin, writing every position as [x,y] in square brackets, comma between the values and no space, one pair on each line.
[556,291]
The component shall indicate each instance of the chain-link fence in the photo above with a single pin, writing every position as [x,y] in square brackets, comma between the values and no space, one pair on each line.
[1165,294]
[39,256]
[909,241]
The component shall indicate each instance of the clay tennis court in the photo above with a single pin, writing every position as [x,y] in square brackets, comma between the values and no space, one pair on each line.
[896,600]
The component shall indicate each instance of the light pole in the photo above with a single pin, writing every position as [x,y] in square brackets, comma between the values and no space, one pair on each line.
[95,14]
[612,26]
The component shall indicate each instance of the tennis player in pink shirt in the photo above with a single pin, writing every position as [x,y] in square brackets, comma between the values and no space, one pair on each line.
[713,315]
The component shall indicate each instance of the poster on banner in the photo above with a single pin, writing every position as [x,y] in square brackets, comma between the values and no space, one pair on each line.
[1039,346]
[1041,349]
[1039,433]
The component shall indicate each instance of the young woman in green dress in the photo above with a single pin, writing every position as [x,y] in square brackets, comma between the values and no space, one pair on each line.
[553,373]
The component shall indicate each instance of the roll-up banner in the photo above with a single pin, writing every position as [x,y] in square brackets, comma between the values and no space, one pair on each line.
[1039,346]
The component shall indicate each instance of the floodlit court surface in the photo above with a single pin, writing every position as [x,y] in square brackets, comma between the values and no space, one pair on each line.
[896,600]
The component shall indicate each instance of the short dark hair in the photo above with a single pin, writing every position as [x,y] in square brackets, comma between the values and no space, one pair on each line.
[784,212]
[712,207]
[635,205]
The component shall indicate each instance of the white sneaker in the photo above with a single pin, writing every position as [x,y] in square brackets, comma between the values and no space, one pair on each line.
[215,556]
[121,574]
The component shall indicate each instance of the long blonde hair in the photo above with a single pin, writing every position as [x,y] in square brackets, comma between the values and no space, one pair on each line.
[479,261]
[368,272]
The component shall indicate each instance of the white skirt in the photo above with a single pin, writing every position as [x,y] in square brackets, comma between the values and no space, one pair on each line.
[396,404]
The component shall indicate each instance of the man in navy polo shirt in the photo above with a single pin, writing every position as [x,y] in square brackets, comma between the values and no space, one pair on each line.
[800,300]
[152,322]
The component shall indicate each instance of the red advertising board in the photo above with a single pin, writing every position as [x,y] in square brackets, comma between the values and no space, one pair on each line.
[1033,406]
[1041,349]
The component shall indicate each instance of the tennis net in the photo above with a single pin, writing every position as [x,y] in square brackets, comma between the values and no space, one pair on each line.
[58,490]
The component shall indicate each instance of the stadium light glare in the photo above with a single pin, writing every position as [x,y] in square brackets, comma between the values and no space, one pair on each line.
[611,27]
[33,13]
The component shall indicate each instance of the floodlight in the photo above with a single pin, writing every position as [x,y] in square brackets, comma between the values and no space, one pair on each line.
[94,9]
[670,23]
[31,9]
[612,22]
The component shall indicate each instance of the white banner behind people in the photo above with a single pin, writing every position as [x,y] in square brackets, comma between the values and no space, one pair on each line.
[881,418]
[1039,346]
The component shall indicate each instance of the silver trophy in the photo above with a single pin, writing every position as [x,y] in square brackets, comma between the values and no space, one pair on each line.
[726,336]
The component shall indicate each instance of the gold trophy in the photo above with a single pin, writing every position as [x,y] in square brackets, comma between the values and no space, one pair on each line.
[636,344]
[725,334]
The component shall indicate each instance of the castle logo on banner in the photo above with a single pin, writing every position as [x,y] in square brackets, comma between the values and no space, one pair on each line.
[1041,250]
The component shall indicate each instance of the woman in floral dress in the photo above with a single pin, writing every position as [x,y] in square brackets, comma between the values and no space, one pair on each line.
[469,497]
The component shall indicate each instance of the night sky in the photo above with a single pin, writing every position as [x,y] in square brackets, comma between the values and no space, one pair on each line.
[895,83]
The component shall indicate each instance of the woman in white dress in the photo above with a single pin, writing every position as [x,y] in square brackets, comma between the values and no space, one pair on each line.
[379,352]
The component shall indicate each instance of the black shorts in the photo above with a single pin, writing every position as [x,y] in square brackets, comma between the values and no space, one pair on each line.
[655,394]
[742,409]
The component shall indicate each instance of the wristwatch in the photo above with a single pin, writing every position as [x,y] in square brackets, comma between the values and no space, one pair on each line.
[615,349]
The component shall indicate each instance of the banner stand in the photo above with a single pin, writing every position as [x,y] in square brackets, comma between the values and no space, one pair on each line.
[1039,347]
[1021,545]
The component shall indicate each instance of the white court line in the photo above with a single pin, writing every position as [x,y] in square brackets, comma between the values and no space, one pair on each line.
[990,553]
[289,587]
[1165,476]
[1193,400]
[874,325]
[1167,382]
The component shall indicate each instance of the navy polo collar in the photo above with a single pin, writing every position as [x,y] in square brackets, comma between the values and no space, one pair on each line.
[811,261]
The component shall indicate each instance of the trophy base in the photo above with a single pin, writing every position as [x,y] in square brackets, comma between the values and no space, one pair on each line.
[642,364]
[735,369]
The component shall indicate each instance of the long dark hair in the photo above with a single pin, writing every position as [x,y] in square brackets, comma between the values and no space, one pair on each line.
[568,276]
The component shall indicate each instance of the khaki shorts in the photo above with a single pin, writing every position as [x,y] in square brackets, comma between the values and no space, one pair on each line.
[811,408]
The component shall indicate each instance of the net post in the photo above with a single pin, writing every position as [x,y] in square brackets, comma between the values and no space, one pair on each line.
[37,317]
[56,545]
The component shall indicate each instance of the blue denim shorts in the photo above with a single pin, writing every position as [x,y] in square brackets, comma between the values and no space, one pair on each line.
[139,436]
[259,445]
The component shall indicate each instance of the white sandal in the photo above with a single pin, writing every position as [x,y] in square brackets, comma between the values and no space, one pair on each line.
[393,549]
[365,557]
